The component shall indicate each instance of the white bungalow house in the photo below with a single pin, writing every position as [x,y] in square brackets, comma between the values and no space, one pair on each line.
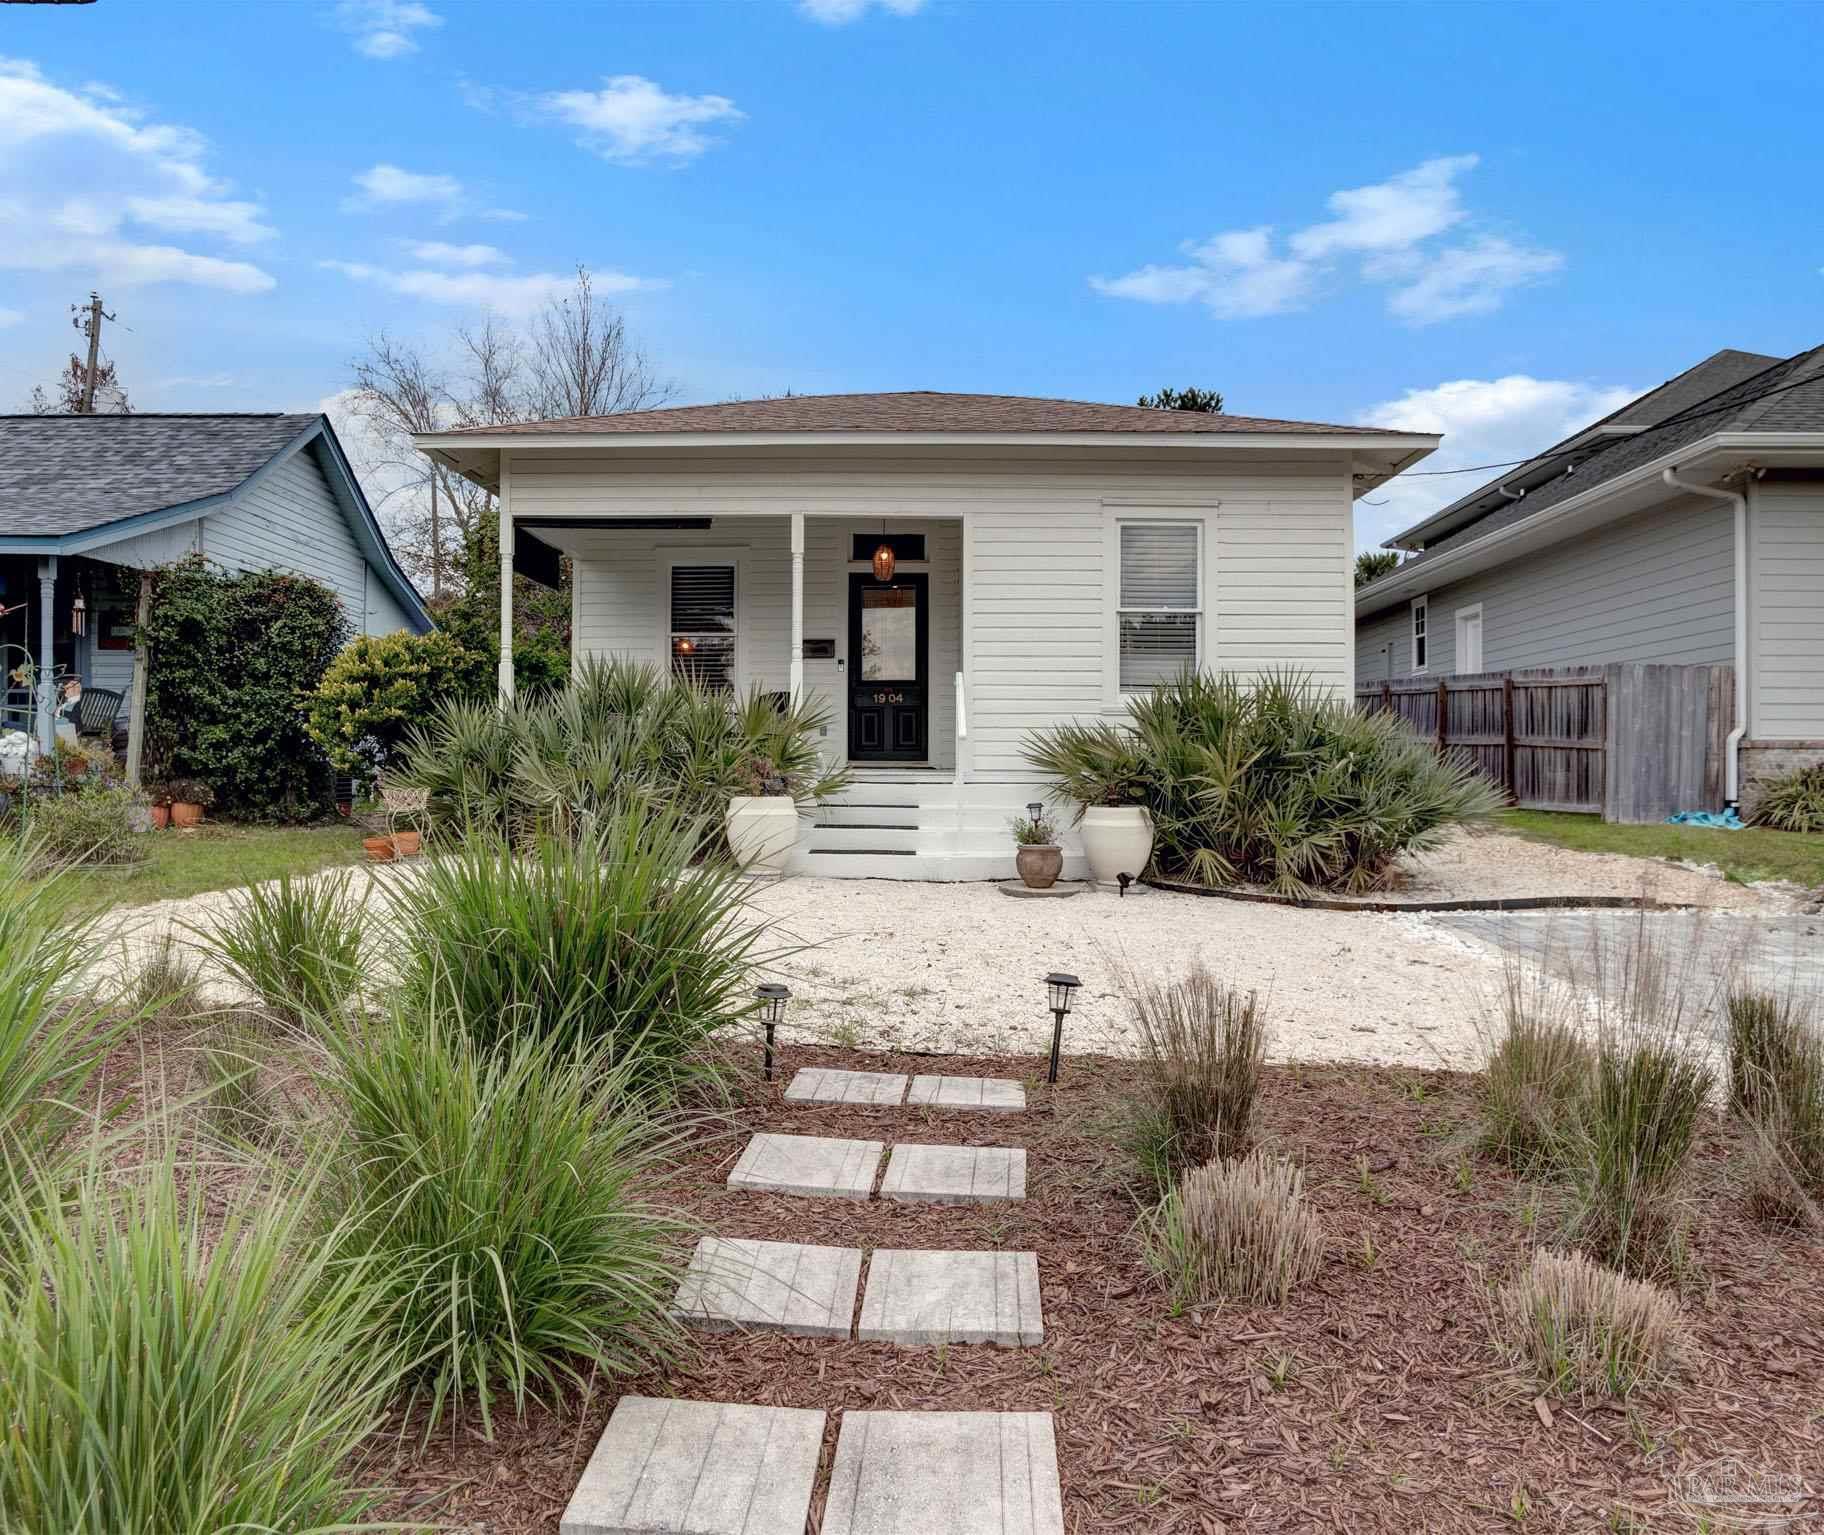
[1047,559]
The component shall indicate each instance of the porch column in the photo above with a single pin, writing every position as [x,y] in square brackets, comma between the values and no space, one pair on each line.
[506,580]
[797,667]
[47,689]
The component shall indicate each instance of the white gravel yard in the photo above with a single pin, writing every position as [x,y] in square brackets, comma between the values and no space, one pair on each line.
[958,967]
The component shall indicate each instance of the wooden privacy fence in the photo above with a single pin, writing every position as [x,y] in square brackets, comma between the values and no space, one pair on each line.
[1627,741]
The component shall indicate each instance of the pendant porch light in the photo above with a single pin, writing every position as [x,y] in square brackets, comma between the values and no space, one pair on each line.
[884,561]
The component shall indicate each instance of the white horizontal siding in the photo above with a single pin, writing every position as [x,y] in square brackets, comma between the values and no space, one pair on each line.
[1786,608]
[1657,587]
[1035,574]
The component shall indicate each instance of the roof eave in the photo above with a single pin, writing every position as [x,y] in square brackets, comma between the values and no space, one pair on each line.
[1719,453]
[569,441]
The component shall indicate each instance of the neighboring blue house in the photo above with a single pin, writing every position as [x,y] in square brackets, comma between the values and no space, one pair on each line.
[81,497]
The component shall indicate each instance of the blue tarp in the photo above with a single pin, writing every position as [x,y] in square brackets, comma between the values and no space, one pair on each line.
[1726,820]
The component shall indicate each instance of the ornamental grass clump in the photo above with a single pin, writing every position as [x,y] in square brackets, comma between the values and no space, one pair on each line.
[1538,1068]
[494,1209]
[1274,781]
[1794,801]
[1776,1080]
[1587,1330]
[174,1361]
[1202,1047]
[296,944]
[608,941]
[1235,1228]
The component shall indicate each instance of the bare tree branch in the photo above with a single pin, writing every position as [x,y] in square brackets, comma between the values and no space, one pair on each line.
[583,363]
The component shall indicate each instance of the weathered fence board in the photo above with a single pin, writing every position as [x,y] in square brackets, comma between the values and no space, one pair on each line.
[1627,741]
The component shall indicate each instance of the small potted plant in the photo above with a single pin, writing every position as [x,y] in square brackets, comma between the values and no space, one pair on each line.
[763,821]
[1036,854]
[158,796]
[190,797]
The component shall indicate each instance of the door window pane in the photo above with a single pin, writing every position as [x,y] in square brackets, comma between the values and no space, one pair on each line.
[889,634]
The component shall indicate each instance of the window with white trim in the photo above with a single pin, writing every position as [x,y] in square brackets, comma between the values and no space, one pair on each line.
[703,625]
[1419,648]
[1160,610]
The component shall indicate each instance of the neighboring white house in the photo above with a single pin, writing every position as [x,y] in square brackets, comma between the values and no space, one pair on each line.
[1050,558]
[1686,528]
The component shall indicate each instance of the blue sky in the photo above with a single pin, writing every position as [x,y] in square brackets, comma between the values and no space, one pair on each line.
[1496,221]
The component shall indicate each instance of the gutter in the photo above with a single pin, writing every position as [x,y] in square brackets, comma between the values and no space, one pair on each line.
[1739,500]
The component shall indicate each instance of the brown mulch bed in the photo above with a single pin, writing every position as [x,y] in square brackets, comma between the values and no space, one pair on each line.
[1373,1401]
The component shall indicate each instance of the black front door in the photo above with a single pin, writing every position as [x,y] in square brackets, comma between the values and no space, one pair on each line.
[889,691]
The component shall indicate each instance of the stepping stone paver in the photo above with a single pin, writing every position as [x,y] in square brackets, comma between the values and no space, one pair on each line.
[770,1286]
[916,1296]
[707,1468]
[819,1084]
[817,1165]
[958,1473]
[967,1093]
[955,1175]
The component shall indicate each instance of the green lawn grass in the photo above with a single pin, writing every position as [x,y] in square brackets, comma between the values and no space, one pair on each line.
[1754,854]
[210,857]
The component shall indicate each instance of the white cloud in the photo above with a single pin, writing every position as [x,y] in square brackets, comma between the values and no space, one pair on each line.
[1484,421]
[438,253]
[382,29]
[632,119]
[1388,230]
[506,292]
[10,317]
[839,13]
[132,171]
[386,185]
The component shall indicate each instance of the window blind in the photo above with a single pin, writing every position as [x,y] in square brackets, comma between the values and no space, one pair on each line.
[703,625]
[1160,599]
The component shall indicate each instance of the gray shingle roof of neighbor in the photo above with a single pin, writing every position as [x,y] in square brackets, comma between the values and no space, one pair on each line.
[67,474]
[1750,404]
[913,411]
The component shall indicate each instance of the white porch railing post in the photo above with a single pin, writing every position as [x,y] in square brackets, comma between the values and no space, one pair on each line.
[797,662]
[506,580]
[47,688]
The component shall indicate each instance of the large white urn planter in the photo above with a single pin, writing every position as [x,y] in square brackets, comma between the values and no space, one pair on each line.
[762,831]
[1117,839]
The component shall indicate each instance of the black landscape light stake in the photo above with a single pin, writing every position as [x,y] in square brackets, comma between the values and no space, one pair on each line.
[772,998]
[1124,880]
[1058,988]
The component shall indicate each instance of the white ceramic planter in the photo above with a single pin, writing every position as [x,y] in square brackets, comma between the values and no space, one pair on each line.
[762,831]
[1117,839]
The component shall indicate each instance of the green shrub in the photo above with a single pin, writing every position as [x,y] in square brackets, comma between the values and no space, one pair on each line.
[1538,1069]
[171,1366]
[1794,801]
[494,1198]
[606,941]
[378,687]
[1586,1329]
[92,824]
[295,944]
[1272,781]
[1202,1046]
[231,656]
[623,734]
[1236,1228]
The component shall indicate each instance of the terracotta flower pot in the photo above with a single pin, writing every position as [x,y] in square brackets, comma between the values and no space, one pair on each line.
[406,843]
[183,815]
[1039,864]
[161,817]
[379,849]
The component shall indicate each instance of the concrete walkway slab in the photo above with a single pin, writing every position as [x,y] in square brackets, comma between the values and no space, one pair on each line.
[955,1175]
[916,1296]
[968,1093]
[707,1468]
[961,1473]
[816,1165]
[770,1287]
[819,1084]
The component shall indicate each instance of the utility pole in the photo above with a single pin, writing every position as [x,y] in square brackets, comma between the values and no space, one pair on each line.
[88,320]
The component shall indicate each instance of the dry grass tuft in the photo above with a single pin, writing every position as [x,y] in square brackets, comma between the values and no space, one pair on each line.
[1236,1228]
[1202,1046]
[1537,1069]
[1586,1329]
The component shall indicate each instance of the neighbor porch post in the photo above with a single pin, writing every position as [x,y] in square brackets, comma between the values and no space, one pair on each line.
[506,579]
[47,690]
[797,666]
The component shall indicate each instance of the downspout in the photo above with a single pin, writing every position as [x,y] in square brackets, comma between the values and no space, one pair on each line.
[1732,747]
